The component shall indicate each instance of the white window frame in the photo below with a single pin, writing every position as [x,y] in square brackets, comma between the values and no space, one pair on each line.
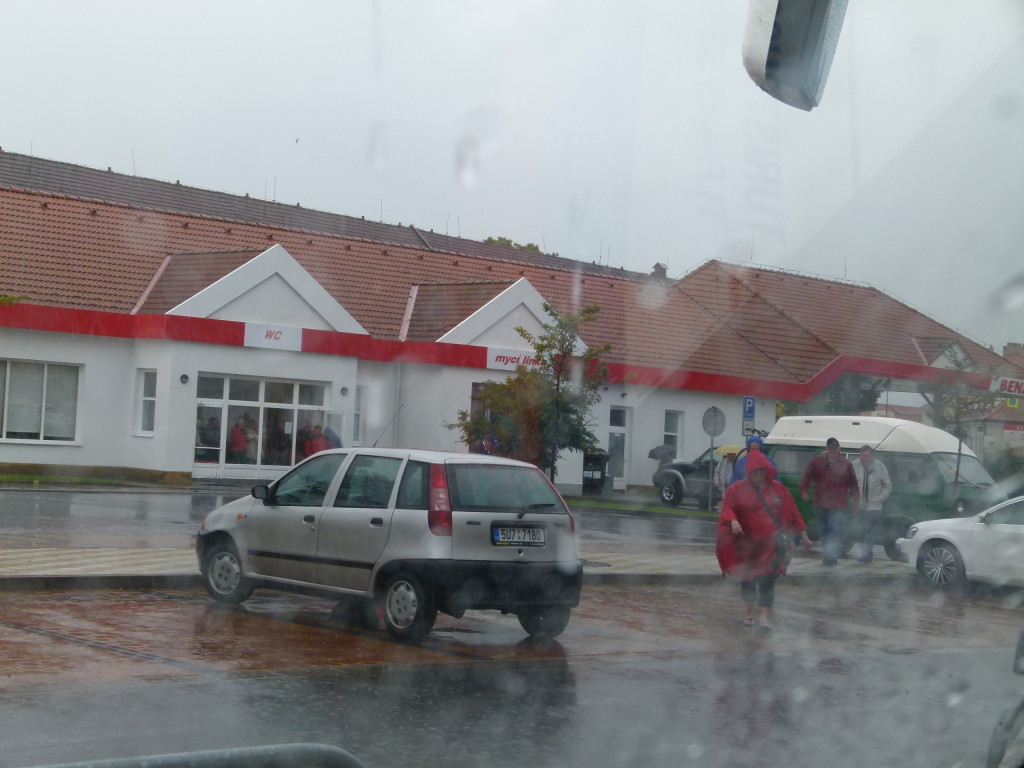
[673,438]
[5,401]
[358,422]
[142,400]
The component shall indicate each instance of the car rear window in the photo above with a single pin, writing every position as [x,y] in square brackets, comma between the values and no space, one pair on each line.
[481,487]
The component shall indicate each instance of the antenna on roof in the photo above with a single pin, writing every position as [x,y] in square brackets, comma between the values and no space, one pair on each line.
[133,161]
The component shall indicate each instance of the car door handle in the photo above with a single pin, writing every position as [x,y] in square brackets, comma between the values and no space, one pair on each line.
[376,522]
[309,519]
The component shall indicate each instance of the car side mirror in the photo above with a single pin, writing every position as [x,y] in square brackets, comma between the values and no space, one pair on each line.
[261,492]
[789,45]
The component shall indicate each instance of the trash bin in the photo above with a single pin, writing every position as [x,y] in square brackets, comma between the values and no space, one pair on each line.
[595,468]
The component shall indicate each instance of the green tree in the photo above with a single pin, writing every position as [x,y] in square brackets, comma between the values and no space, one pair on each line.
[954,398]
[508,242]
[544,408]
[852,394]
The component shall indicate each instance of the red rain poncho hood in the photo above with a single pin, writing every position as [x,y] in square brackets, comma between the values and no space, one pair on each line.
[757,460]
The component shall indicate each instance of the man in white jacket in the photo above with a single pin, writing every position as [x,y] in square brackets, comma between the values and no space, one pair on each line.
[875,487]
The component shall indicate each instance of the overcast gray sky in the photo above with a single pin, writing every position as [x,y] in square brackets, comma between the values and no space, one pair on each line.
[626,133]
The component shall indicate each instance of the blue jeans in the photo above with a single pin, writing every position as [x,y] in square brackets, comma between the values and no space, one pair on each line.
[868,530]
[830,525]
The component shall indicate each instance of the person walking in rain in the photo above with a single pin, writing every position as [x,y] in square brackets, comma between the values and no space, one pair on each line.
[739,469]
[754,512]
[875,487]
[834,482]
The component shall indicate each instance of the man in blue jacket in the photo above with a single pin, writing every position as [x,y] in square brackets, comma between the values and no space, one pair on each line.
[739,470]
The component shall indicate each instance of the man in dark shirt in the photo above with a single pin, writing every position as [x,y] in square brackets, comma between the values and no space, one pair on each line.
[834,483]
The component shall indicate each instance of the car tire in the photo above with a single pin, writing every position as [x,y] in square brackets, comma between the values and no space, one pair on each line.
[545,622]
[941,565]
[408,609]
[671,494]
[223,576]
[891,550]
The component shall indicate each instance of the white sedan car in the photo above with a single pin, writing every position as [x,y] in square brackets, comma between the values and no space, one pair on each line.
[985,547]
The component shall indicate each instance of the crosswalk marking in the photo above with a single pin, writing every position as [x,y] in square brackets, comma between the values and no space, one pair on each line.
[56,561]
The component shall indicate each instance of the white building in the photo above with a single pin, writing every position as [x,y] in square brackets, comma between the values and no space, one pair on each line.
[139,313]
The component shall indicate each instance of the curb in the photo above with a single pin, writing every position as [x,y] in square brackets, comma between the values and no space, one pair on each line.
[91,581]
[194,581]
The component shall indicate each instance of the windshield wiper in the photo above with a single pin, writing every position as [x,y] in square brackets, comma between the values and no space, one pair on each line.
[526,509]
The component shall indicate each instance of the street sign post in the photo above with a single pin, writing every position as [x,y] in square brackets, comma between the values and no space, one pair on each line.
[714,425]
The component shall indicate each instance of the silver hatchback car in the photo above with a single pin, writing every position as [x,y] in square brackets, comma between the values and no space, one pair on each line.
[404,533]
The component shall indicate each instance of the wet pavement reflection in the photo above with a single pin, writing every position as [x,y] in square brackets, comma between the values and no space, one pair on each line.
[654,676]
[73,518]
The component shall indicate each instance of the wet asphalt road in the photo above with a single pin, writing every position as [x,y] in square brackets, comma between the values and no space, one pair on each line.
[646,676]
[651,676]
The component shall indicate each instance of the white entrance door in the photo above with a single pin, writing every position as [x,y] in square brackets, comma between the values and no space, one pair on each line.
[618,446]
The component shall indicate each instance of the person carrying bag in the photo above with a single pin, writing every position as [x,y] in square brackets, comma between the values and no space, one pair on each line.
[756,515]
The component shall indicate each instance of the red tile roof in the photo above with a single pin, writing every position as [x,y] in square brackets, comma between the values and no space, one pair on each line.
[741,321]
[439,308]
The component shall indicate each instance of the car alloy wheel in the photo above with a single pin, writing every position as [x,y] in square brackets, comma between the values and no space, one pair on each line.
[942,566]
[671,495]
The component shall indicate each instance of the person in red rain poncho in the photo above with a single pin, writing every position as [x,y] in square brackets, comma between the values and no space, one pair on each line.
[746,540]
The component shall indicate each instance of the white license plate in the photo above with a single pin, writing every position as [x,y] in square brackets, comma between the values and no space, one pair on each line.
[517,536]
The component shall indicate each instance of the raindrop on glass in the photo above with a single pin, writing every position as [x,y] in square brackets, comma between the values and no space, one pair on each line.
[1009,297]
[376,148]
[467,161]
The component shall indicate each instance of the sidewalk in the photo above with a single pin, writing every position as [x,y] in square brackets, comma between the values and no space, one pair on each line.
[174,568]
[40,568]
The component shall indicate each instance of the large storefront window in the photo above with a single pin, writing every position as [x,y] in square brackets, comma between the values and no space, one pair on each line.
[38,401]
[258,422]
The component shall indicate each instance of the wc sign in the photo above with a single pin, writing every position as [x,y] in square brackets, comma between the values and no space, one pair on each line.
[273,337]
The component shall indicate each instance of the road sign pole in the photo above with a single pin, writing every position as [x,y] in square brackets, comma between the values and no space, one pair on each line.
[714,425]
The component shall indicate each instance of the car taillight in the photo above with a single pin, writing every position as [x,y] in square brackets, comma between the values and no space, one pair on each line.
[439,511]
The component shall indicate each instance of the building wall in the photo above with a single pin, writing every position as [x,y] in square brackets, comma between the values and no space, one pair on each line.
[404,404]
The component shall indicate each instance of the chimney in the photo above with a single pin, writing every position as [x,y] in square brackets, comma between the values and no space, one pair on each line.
[660,271]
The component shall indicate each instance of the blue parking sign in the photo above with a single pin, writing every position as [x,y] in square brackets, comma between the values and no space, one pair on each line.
[748,407]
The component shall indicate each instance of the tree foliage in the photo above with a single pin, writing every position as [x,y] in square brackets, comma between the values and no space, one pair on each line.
[508,242]
[852,394]
[954,400]
[543,408]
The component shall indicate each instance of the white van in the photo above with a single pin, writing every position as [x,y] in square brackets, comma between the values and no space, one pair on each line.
[933,473]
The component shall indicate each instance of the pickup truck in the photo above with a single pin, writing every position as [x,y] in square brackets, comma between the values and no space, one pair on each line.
[688,479]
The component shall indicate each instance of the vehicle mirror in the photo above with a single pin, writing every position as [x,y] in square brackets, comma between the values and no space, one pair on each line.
[261,492]
[788,47]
